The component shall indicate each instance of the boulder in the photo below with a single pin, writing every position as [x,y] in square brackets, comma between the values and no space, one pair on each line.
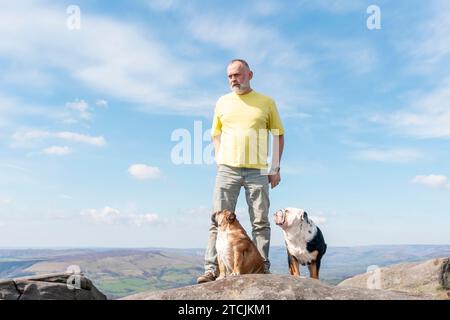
[269,287]
[63,286]
[426,278]
[8,290]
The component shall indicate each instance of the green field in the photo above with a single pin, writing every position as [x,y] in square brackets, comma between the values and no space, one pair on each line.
[167,279]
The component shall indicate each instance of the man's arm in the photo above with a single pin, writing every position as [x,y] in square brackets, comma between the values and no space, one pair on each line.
[216,142]
[277,152]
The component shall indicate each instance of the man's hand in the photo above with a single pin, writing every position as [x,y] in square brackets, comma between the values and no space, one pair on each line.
[274,179]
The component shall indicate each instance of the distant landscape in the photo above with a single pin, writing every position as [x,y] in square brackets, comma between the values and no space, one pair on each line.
[122,272]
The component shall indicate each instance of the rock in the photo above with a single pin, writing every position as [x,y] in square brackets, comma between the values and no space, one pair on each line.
[50,287]
[8,290]
[269,287]
[429,278]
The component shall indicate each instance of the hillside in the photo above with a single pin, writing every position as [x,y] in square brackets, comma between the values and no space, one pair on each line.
[122,272]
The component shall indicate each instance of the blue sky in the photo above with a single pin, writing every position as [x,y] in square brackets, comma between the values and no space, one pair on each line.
[87,116]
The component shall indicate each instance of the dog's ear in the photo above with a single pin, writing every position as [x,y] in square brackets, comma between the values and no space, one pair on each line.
[305,217]
[231,217]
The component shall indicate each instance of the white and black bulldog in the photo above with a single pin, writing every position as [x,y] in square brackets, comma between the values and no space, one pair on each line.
[304,240]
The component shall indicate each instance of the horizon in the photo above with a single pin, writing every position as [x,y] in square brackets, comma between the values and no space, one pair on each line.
[106,110]
[198,248]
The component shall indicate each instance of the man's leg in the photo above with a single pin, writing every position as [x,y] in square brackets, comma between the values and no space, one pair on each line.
[257,195]
[226,191]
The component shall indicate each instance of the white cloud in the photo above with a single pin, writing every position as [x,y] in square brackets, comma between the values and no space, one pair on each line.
[195,216]
[143,219]
[426,112]
[358,56]
[297,115]
[106,215]
[111,216]
[24,137]
[428,115]
[81,107]
[334,6]
[275,66]
[57,150]
[2,224]
[13,107]
[13,166]
[320,220]
[266,8]
[431,46]
[160,5]
[432,180]
[143,69]
[389,155]
[144,172]
[77,137]
[101,103]
[29,77]
[248,40]
[5,201]
[10,105]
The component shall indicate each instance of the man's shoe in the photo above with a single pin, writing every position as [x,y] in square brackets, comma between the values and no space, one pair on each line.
[207,277]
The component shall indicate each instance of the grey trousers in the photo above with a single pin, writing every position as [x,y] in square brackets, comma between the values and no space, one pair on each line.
[229,181]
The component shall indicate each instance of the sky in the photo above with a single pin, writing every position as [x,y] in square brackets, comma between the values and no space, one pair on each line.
[98,99]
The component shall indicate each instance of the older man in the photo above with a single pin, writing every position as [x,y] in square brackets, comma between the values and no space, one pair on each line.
[242,121]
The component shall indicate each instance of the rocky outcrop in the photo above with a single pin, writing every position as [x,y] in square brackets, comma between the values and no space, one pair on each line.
[63,286]
[429,278]
[408,281]
[270,287]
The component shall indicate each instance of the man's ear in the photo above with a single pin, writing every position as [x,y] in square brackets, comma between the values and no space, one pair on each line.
[250,75]
[231,217]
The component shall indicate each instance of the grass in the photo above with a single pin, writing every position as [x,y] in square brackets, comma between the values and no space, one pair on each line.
[125,286]
[120,287]
[163,278]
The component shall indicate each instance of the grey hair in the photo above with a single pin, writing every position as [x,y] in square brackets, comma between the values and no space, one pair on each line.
[241,61]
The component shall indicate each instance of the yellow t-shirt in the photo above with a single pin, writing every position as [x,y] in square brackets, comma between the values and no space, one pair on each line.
[244,122]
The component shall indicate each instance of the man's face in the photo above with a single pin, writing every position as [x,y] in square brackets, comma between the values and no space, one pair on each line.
[239,77]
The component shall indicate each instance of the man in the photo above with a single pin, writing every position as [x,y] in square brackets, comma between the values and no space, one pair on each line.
[242,121]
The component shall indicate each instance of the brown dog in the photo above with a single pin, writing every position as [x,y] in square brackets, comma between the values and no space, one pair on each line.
[304,240]
[236,252]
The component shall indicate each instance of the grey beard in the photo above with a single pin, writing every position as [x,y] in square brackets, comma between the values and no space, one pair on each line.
[239,89]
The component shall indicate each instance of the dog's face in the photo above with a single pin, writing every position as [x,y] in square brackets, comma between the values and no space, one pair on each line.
[290,216]
[224,218]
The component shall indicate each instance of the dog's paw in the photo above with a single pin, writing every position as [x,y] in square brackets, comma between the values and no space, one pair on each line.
[220,277]
[235,274]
